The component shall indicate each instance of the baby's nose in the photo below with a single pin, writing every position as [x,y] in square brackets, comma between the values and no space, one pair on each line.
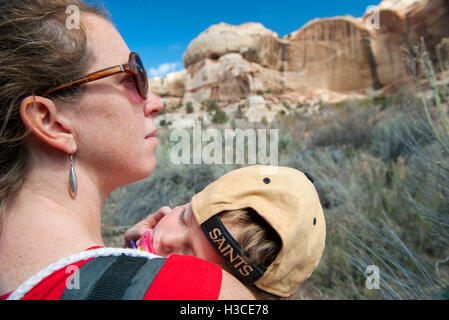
[172,242]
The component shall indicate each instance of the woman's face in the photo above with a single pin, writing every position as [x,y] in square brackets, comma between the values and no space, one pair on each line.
[178,232]
[114,127]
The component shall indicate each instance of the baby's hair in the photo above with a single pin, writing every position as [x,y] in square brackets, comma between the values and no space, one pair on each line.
[259,242]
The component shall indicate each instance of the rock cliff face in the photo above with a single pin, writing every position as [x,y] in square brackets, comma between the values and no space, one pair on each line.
[332,54]
[251,40]
[404,22]
[398,5]
[326,60]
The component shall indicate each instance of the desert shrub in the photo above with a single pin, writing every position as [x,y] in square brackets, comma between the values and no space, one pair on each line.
[356,130]
[217,114]
[189,107]
[211,105]
[219,117]
[177,107]
[397,135]
[286,105]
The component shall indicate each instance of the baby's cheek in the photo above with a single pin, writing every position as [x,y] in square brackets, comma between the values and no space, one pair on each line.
[208,253]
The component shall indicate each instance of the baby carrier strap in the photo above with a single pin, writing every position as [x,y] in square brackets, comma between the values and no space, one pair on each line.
[114,278]
[115,273]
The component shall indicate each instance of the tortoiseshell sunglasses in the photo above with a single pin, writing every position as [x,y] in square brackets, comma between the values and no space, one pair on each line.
[134,66]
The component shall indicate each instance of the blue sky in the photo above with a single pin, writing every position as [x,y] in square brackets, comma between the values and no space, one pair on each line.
[160,31]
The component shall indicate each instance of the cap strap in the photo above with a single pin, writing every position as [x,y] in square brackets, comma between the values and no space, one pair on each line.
[230,250]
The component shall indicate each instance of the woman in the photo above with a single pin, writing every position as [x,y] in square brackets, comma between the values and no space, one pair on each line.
[65,146]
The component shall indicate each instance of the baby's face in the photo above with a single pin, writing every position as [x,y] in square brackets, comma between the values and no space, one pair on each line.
[178,232]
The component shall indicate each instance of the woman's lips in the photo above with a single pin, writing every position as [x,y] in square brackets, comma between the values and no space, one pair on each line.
[152,138]
[151,135]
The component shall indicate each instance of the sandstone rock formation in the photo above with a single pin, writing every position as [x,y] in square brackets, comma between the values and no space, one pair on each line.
[251,40]
[326,60]
[332,54]
[404,22]
[398,5]
[170,88]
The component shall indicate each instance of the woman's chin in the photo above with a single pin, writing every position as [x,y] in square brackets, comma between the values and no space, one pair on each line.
[149,168]
[140,173]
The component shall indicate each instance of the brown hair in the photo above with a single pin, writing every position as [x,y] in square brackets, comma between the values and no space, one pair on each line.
[37,52]
[259,242]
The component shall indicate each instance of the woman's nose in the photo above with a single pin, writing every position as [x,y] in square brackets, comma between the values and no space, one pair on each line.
[153,105]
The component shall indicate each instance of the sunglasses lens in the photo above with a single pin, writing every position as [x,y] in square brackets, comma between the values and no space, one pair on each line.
[141,77]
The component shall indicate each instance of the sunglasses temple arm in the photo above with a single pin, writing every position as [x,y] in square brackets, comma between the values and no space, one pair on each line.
[92,77]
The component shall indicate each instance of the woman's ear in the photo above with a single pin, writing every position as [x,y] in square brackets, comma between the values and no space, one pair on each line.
[42,117]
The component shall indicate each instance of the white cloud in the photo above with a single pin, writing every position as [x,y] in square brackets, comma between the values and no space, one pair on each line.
[164,69]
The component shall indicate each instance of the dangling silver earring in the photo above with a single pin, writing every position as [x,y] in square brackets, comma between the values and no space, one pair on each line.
[73,181]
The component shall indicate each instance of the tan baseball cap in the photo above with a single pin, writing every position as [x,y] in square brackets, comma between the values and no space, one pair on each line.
[287,200]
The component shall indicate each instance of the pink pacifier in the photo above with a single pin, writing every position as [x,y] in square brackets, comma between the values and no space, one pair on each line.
[146,243]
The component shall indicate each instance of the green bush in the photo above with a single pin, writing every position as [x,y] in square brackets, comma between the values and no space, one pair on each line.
[211,105]
[189,107]
[177,107]
[219,117]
